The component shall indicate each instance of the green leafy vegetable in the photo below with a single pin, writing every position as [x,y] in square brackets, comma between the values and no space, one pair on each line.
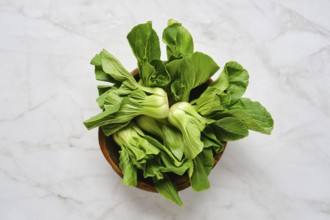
[253,114]
[200,170]
[178,40]
[132,139]
[170,135]
[210,140]
[128,169]
[124,109]
[225,91]
[144,42]
[168,190]
[230,129]
[154,74]
[169,120]
[184,117]
[238,79]
[188,73]
[146,153]
[108,68]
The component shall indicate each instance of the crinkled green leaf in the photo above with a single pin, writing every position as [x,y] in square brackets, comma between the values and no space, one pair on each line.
[103,88]
[169,166]
[154,74]
[144,43]
[238,80]
[230,129]
[115,69]
[127,168]
[167,189]
[178,40]
[207,158]
[110,129]
[183,116]
[253,114]
[198,174]
[113,98]
[99,73]
[164,149]
[152,168]
[225,91]
[161,78]
[173,140]
[161,164]
[209,102]
[108,68]
[154,103]
[190,72]
[133,140]
[103,76]
[171,136]
[210,140]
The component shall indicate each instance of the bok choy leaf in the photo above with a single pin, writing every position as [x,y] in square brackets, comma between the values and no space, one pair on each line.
[183,116]
[178,40]
[138,102]
[188,73]
[166,188]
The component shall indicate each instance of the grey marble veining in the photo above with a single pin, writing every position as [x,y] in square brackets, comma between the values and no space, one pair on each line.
[51,166]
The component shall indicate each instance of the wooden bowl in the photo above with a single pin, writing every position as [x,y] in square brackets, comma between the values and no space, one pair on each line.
[110,150]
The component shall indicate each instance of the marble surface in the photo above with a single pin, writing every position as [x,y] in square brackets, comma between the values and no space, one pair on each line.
[51,167]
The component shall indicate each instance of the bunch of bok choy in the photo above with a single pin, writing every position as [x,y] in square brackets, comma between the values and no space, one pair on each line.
[160,127]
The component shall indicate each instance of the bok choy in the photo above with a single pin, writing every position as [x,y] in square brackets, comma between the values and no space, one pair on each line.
[170,120]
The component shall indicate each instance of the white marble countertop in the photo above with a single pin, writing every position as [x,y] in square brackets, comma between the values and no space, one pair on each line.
[51,167]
